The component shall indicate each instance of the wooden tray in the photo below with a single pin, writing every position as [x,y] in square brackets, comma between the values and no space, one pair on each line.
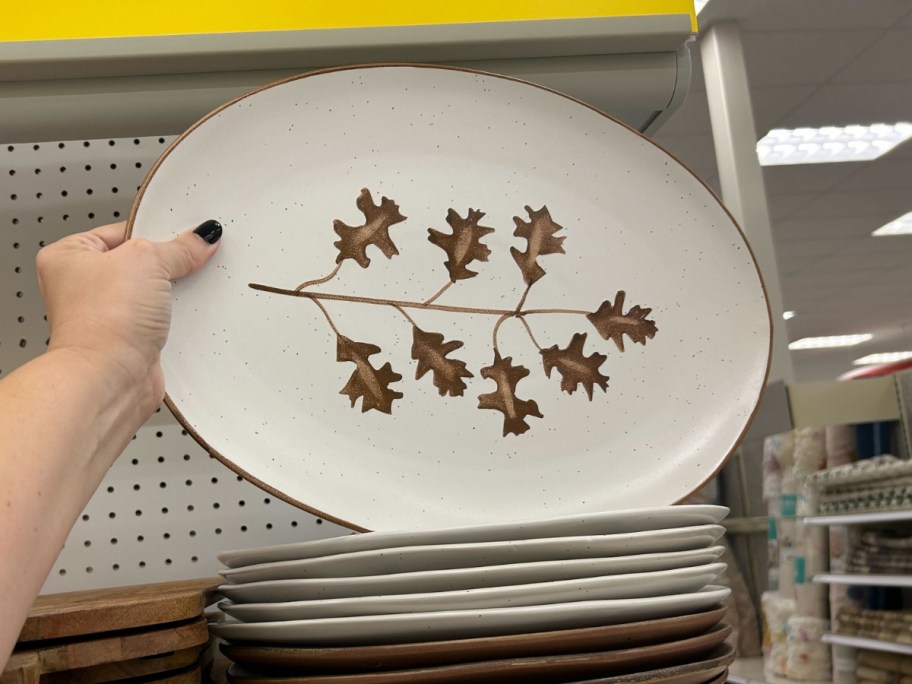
[112,648]
[80,613]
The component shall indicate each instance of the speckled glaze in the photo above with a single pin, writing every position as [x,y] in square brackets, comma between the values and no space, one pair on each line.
[254,375]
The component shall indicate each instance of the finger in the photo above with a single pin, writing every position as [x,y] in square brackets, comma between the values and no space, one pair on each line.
[191,249]
[111,235]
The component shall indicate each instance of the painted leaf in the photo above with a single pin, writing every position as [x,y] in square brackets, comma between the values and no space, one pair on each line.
[612,323]
[575,368]
[354,240]
[463,245]
[371,385]
[430,350]
[539,233]
[504,398]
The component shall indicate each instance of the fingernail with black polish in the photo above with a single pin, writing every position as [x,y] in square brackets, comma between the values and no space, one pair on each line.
[210,231]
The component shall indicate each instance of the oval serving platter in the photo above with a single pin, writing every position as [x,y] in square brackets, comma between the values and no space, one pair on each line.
[449,298]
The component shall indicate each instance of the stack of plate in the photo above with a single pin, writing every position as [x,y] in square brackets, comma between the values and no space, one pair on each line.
[627,596]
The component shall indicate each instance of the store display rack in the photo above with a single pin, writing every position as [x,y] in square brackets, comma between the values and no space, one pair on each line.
[867,580]
[860,579]
[859,518]
[867,643]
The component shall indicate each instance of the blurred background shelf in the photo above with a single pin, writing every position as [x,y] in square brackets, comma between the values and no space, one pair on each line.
[750,671]
[859,518]
[866,580]
[870,644]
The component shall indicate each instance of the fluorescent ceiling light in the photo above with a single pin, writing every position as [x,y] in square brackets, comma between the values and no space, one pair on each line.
[887,357]
[830,143]
[901,226]
[787,315]
[699,5]
[830,342]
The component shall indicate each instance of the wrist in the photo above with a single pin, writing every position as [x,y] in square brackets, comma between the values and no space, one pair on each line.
[123,387]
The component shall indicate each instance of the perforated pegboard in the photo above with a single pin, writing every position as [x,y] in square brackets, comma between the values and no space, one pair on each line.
[166,508]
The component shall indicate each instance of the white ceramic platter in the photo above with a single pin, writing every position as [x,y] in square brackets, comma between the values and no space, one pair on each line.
[596,523]
[405,392]
[464,624]
[636,585]
[442,556]
[462,578]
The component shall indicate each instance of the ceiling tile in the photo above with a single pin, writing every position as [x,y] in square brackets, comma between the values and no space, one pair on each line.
[886,60]
[810,249]
[781,206]
[885,173]
[801,57]
[841,105]
[771,104]
[805,177]
[873,253]
[824,279]
[842,204]
[806,15]
[821,15]
[834,227]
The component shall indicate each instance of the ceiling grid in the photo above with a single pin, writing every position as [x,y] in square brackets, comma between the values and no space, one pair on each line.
[811,64]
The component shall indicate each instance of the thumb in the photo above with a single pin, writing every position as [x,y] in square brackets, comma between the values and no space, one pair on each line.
[191,249]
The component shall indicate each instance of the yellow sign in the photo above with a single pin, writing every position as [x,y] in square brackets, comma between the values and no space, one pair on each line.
[25,20]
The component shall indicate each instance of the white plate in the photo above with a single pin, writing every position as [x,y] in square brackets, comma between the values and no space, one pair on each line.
[611,522]
[462,578]
[441,556]
[636,585]
[460,624]
[255,375]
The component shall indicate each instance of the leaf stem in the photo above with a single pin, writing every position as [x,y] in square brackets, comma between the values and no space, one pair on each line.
[443,289]
[522,300]
[328,319]
[407,317]
[319,281]
[529,330]
[405,304]
[496,328]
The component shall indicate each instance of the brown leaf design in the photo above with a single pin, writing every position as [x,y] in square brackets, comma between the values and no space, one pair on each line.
[575,368]
[504,398]
[540,240]
[374,231]
[612,323]
[369,384]
[463,245]
[430,350]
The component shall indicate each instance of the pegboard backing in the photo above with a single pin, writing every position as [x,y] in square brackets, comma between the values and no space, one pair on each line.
[166,507]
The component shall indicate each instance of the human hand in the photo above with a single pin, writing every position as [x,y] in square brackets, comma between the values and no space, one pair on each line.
[108,301]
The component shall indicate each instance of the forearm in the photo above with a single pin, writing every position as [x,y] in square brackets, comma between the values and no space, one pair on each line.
[64,419]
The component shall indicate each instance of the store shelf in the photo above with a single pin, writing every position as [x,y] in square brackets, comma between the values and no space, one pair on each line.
[866,580]
[871,644]
[636,68]
[836,403]
[859,518]
[751,671]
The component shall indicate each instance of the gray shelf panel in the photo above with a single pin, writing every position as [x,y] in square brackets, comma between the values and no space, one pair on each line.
[635,68]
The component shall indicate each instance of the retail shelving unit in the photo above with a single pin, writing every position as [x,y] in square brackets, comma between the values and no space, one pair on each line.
[861,579]
[869,644]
